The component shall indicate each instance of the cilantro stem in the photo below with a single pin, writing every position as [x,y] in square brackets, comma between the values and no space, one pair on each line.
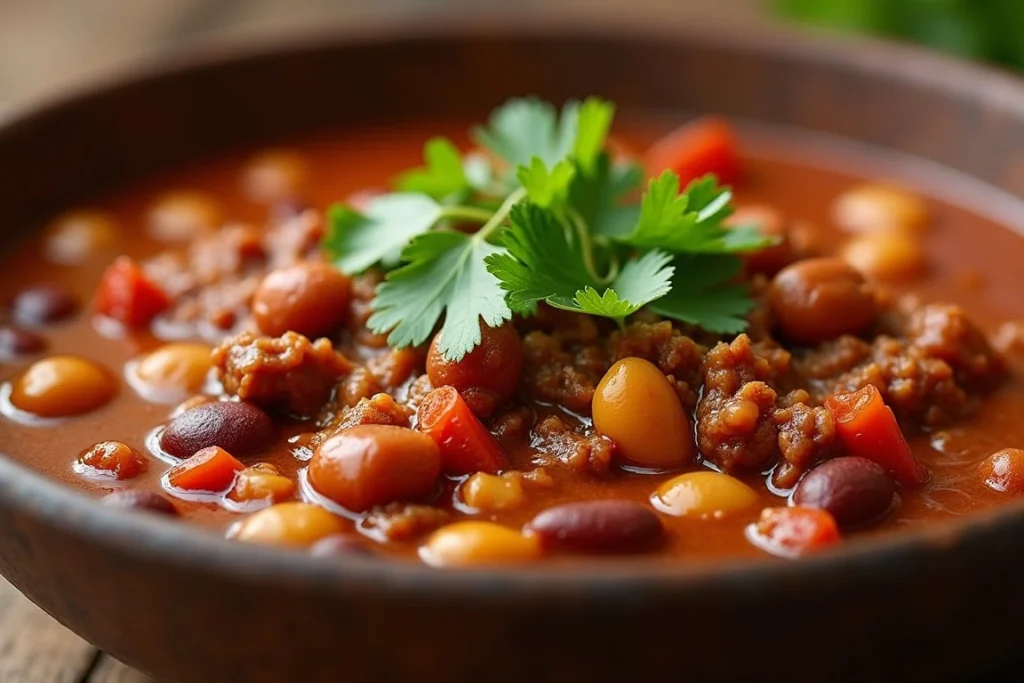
[587,249]
[466,213]
[496,220]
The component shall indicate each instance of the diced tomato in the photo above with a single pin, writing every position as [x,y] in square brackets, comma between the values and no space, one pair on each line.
[868,429]
[465,444]
[794,531]
[212,469]
[126,295]
[695,150]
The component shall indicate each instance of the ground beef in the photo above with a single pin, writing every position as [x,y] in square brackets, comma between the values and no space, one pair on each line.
[920,389]
[403,522]
[559,443]
[944,332]
[735,429]
[294,238]
[832,358]
[551,373]
[358,385]
[287,373]
[380,409]
[512,425]
[675,354]
[807,434]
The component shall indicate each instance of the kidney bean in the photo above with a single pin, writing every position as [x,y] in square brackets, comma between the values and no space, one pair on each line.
[241,429]
[45,303]
[15,341]
[140,500]
[598,526]
[856,491]
[340,545]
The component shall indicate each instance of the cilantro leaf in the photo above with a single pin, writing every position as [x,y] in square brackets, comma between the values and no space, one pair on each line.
[443,175]
[543,262]
[543,187]
[522,129]
[598,197]
[691,221]
[445,274]
[704,293]
[355,241]
[640,282]
[595,118]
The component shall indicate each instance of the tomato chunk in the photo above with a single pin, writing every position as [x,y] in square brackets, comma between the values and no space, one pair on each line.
[795,531]
[695,150]
[212,469]
[868,429]
[466,445]
[126,295]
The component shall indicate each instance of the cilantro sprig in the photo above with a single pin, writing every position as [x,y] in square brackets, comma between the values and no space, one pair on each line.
[543,213]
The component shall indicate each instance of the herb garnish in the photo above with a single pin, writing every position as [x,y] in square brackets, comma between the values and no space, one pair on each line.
[557,224]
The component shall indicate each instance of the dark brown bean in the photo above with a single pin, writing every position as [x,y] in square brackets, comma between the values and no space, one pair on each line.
[340,545]
[241,429]
[598,526]
[140,500]
[856,491]
[45,303]
[15,341]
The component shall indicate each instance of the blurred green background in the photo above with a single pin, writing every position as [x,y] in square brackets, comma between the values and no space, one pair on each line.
[989,30]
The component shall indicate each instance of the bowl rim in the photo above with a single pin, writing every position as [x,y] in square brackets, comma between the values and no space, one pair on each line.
[171,543]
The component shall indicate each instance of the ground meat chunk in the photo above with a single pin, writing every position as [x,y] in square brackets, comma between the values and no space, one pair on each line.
[735,429]
[403,522]
[944,332]
[558,442]
[551,373]
[675,354]
[807,434]
[919,388]
[288,373]
[832,358]
[381,409]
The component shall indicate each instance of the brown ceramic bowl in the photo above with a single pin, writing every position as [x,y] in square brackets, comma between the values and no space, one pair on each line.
[189,607]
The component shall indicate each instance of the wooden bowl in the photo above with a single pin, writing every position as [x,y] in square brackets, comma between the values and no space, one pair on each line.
[188,607]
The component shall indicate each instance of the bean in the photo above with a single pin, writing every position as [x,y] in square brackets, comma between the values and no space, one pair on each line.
[15,341]
[1003,471]
[173,371]
[241,429]
[637,408]
[183,216]
[340,545]
[598,526]
[44,303]
[261,483]
[486,376]
[491,492]
[309,298]
[76,236]
[886,256]
[819,299]
[875,207]
[856,491]
[289,525]
[112,459]
[704,495]
[371,465]
[274,175]
[137,499]
[473,543]
[62,386]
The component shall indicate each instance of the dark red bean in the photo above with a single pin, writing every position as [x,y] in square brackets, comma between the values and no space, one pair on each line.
[140,500]
[598,526]
[45,303]
[856,491]
[241,429]
[15,341]
[340,545]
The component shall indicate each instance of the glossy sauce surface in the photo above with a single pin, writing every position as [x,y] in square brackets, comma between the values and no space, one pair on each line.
[972,261]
